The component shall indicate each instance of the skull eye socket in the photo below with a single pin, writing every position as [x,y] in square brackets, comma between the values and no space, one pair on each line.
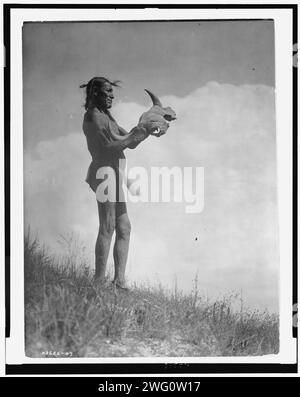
[168,117]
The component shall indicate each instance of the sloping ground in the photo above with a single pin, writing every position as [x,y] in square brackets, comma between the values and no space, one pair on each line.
[67,314]
[174,346]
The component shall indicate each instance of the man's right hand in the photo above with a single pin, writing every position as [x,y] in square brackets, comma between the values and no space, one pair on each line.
[136,136]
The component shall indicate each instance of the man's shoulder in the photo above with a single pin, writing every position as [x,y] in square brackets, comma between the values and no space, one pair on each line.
[96,115]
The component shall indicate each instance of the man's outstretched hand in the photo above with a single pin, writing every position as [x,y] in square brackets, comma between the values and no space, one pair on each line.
[137,135]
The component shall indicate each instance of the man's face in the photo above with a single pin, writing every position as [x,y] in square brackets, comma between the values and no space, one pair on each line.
[106,96]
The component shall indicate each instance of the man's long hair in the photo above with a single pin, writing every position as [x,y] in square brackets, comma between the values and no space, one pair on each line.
[94,86]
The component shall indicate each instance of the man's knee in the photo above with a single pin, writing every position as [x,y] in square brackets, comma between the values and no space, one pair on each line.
[123,228]
[107,218]
[107,229]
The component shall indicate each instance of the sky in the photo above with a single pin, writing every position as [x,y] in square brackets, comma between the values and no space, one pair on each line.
[219,78]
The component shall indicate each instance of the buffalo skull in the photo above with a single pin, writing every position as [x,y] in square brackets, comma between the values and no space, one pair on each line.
[155,120]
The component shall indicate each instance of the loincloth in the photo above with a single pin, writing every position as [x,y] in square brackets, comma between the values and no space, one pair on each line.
[94,182]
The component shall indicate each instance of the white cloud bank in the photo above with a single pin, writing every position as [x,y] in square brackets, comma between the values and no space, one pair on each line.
[232,245]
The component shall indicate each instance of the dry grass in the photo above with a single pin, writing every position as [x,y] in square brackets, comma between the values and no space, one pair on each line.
[67,313]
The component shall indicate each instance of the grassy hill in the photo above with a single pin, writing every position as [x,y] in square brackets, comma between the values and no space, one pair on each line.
[68,315]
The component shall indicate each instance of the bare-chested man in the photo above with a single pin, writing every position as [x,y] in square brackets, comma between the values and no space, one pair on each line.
[106,142]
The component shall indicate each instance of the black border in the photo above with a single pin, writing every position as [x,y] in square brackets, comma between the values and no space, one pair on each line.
[139,368]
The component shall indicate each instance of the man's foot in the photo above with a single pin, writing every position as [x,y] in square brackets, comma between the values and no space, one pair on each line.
[120,286]
[100,282]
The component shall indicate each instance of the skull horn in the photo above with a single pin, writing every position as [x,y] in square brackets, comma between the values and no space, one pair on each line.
[155,100]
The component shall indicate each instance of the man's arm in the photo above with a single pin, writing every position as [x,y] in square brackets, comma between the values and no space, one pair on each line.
[122,131]
[131,139]
[118,145]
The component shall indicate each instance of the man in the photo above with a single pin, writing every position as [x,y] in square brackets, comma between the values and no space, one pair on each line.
[106,142]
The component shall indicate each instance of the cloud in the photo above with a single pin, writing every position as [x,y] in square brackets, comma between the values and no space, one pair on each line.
[230,131]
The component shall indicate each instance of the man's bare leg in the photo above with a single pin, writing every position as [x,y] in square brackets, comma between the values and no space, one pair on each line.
[123,228]
[107,224]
